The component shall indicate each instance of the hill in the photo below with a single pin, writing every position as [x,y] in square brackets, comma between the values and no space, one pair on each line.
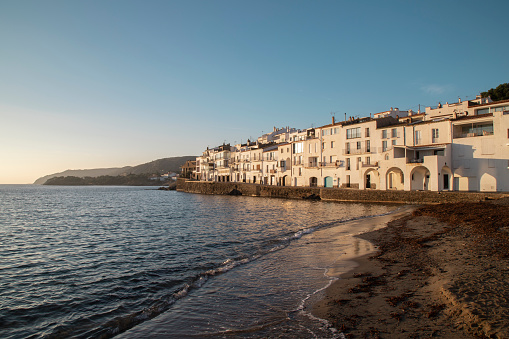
[157,166]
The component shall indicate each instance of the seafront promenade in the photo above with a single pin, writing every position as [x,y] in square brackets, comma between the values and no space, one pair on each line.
[333,194]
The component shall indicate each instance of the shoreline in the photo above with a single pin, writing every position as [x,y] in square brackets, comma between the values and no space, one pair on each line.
[334,194]
[441,270]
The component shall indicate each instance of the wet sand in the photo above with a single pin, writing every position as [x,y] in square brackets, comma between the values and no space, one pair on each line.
[441,271]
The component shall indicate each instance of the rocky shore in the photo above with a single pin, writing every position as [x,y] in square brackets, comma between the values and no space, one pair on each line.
[441,272]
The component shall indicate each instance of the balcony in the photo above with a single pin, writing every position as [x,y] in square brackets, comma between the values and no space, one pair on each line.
[414,161]
[273,171]
[375,164]
[336,163]
[473,134]
[356,151]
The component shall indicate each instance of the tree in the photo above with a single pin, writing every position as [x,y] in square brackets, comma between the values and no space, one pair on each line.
[499,93]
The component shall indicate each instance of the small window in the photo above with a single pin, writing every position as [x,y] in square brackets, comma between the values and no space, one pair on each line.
[384,134]
[394,133]
[367,132]
[358,145]
[332,144]
[394,141]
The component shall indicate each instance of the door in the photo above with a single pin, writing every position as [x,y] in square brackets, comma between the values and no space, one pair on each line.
[368,181]
[328,182]
[446,181]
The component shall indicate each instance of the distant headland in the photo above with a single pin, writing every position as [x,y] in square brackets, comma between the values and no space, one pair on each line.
[117,176]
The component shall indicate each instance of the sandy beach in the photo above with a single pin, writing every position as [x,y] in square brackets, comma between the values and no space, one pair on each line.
[441,271]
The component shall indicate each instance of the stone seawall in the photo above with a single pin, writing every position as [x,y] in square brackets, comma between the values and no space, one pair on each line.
[331,194]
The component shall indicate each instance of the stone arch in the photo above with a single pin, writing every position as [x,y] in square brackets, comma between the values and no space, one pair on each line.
[395,179]
[447,179]
[488,183]
[285,181]
[313,182]
[419,178]
[372,179]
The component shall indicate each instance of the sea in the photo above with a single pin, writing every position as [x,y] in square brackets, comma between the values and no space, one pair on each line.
[132,262]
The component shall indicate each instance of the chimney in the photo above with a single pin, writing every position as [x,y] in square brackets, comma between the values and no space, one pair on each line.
[459,100]
[333,120]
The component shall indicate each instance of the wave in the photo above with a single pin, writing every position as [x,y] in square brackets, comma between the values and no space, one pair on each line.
[123,323]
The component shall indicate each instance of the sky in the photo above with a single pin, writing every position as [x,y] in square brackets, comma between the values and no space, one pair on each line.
[96,84]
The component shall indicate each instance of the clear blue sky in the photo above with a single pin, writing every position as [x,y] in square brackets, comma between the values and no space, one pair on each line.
[88,84]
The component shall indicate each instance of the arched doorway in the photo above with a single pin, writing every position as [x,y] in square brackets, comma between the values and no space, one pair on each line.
[313,182]
[328,182]
[283,180]
[488,183]
[395,180]
[372,179]
[419,179]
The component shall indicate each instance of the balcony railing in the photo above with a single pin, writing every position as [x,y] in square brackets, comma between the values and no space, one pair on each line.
[473,134]
[371,164]
[336,163]
[414,161]
[356,151]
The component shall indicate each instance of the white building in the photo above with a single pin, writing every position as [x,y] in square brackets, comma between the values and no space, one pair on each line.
[462,146]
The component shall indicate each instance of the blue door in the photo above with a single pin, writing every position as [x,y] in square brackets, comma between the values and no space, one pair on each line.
[328,182]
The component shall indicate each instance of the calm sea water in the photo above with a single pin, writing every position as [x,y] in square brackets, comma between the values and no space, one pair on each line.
[96,262]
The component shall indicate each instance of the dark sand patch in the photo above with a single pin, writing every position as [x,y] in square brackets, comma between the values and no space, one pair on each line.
[441,272]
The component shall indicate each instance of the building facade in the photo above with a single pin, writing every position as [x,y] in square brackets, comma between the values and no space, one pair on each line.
[462,146]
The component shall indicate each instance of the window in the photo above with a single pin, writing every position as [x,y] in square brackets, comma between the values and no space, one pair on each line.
[384,134]
[417,137]
[358,145]
[352,133]
[332,144]
[323,145]
[394,141]
[366,132]
[359,160]
[384,145]
[331,159]
[298,147]
[434,133]
[394,133]
[368,160]
[368,146]
[347,164]
[347,146]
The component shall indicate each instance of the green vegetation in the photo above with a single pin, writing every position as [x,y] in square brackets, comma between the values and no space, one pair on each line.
[120,180]
[157,166]
[499,93]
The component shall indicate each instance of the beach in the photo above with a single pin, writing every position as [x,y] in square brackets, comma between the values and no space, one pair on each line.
[440,271]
